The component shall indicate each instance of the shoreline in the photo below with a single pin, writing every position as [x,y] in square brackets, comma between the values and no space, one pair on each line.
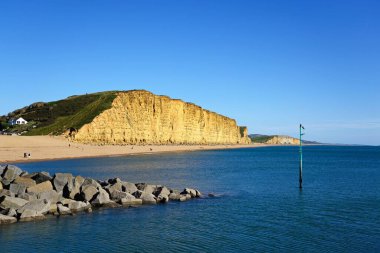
[46,148]
[50,148]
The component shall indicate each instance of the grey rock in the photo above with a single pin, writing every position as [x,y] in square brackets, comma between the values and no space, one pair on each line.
[4,219]
[130,200]
[12,212]
[10,173]
[88,192]
[51,195]
[162,190]
[111,204]
[147,188]
[115,187]
[28,196]
[41,187]
[41,177]
[118,195]
[5,192]
[90,181]
[101,198]
[62,210]
[137,193]
[114,180]
[29,215]
[74,190]
[129,187]
[40,206]
[53,209]
[148,198]
[61,180]
[162,198]
[190,191]
[12,202]
[25,181]
[177,197]
[78,206]
[183,198]
[17,189]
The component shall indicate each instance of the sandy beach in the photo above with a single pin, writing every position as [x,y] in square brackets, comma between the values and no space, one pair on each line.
[12,148]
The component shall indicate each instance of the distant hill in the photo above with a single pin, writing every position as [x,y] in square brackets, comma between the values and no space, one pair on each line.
[57,116]
[277,139]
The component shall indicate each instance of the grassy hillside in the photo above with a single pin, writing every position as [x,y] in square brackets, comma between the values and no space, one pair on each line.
[58,116]
[258,138]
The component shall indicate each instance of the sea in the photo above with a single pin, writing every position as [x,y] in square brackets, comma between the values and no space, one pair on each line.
[258,206]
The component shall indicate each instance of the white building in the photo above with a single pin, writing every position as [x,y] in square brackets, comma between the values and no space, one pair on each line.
[19,121]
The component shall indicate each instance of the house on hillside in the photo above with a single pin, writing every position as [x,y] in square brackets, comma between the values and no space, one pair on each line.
[19,121]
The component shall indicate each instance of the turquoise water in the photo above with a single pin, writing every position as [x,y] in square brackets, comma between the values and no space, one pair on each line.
[260,208]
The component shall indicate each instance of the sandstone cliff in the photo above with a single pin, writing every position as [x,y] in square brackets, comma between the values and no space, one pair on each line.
[140,117]
[278,139]
[274,139]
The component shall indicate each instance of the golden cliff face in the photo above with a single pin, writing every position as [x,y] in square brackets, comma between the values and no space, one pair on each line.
[140,117]
[283,140]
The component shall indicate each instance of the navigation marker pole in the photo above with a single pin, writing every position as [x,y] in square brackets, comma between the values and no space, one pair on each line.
[300,174]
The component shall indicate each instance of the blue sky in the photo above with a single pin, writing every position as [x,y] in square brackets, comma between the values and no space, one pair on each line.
[268,64]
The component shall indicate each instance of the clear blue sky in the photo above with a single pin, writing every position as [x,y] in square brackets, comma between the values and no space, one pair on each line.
[268,64]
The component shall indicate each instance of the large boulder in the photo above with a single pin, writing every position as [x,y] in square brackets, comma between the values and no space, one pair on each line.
[4,219]
[90,181]
[25,181]
[10,173]
[1,185]
[41,187]
[162,190]
[29,215]
[114,187]
[147,188]
[17,189]
[78,206]
[192,192]
[148,198]
[28,196]
[129,199]
[51,195]
[11,202]
[114,180]
[12,212]
[129,187]
[40,177]
[101,198]
[61,180]
[162,198]
[40,206]
[118,195]
[88,192]
[5,192]
[63,210]
[72,191]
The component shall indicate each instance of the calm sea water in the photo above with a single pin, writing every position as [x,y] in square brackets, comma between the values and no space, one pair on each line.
[260,208]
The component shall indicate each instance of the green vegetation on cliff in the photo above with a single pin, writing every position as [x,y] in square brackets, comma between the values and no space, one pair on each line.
[58,116]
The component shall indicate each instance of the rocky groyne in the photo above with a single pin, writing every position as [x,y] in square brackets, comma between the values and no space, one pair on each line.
[27,197]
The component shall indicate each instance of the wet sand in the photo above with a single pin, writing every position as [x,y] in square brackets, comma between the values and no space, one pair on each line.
[12,148]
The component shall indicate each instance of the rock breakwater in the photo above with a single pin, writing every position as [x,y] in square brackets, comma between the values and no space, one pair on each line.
[27,197]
